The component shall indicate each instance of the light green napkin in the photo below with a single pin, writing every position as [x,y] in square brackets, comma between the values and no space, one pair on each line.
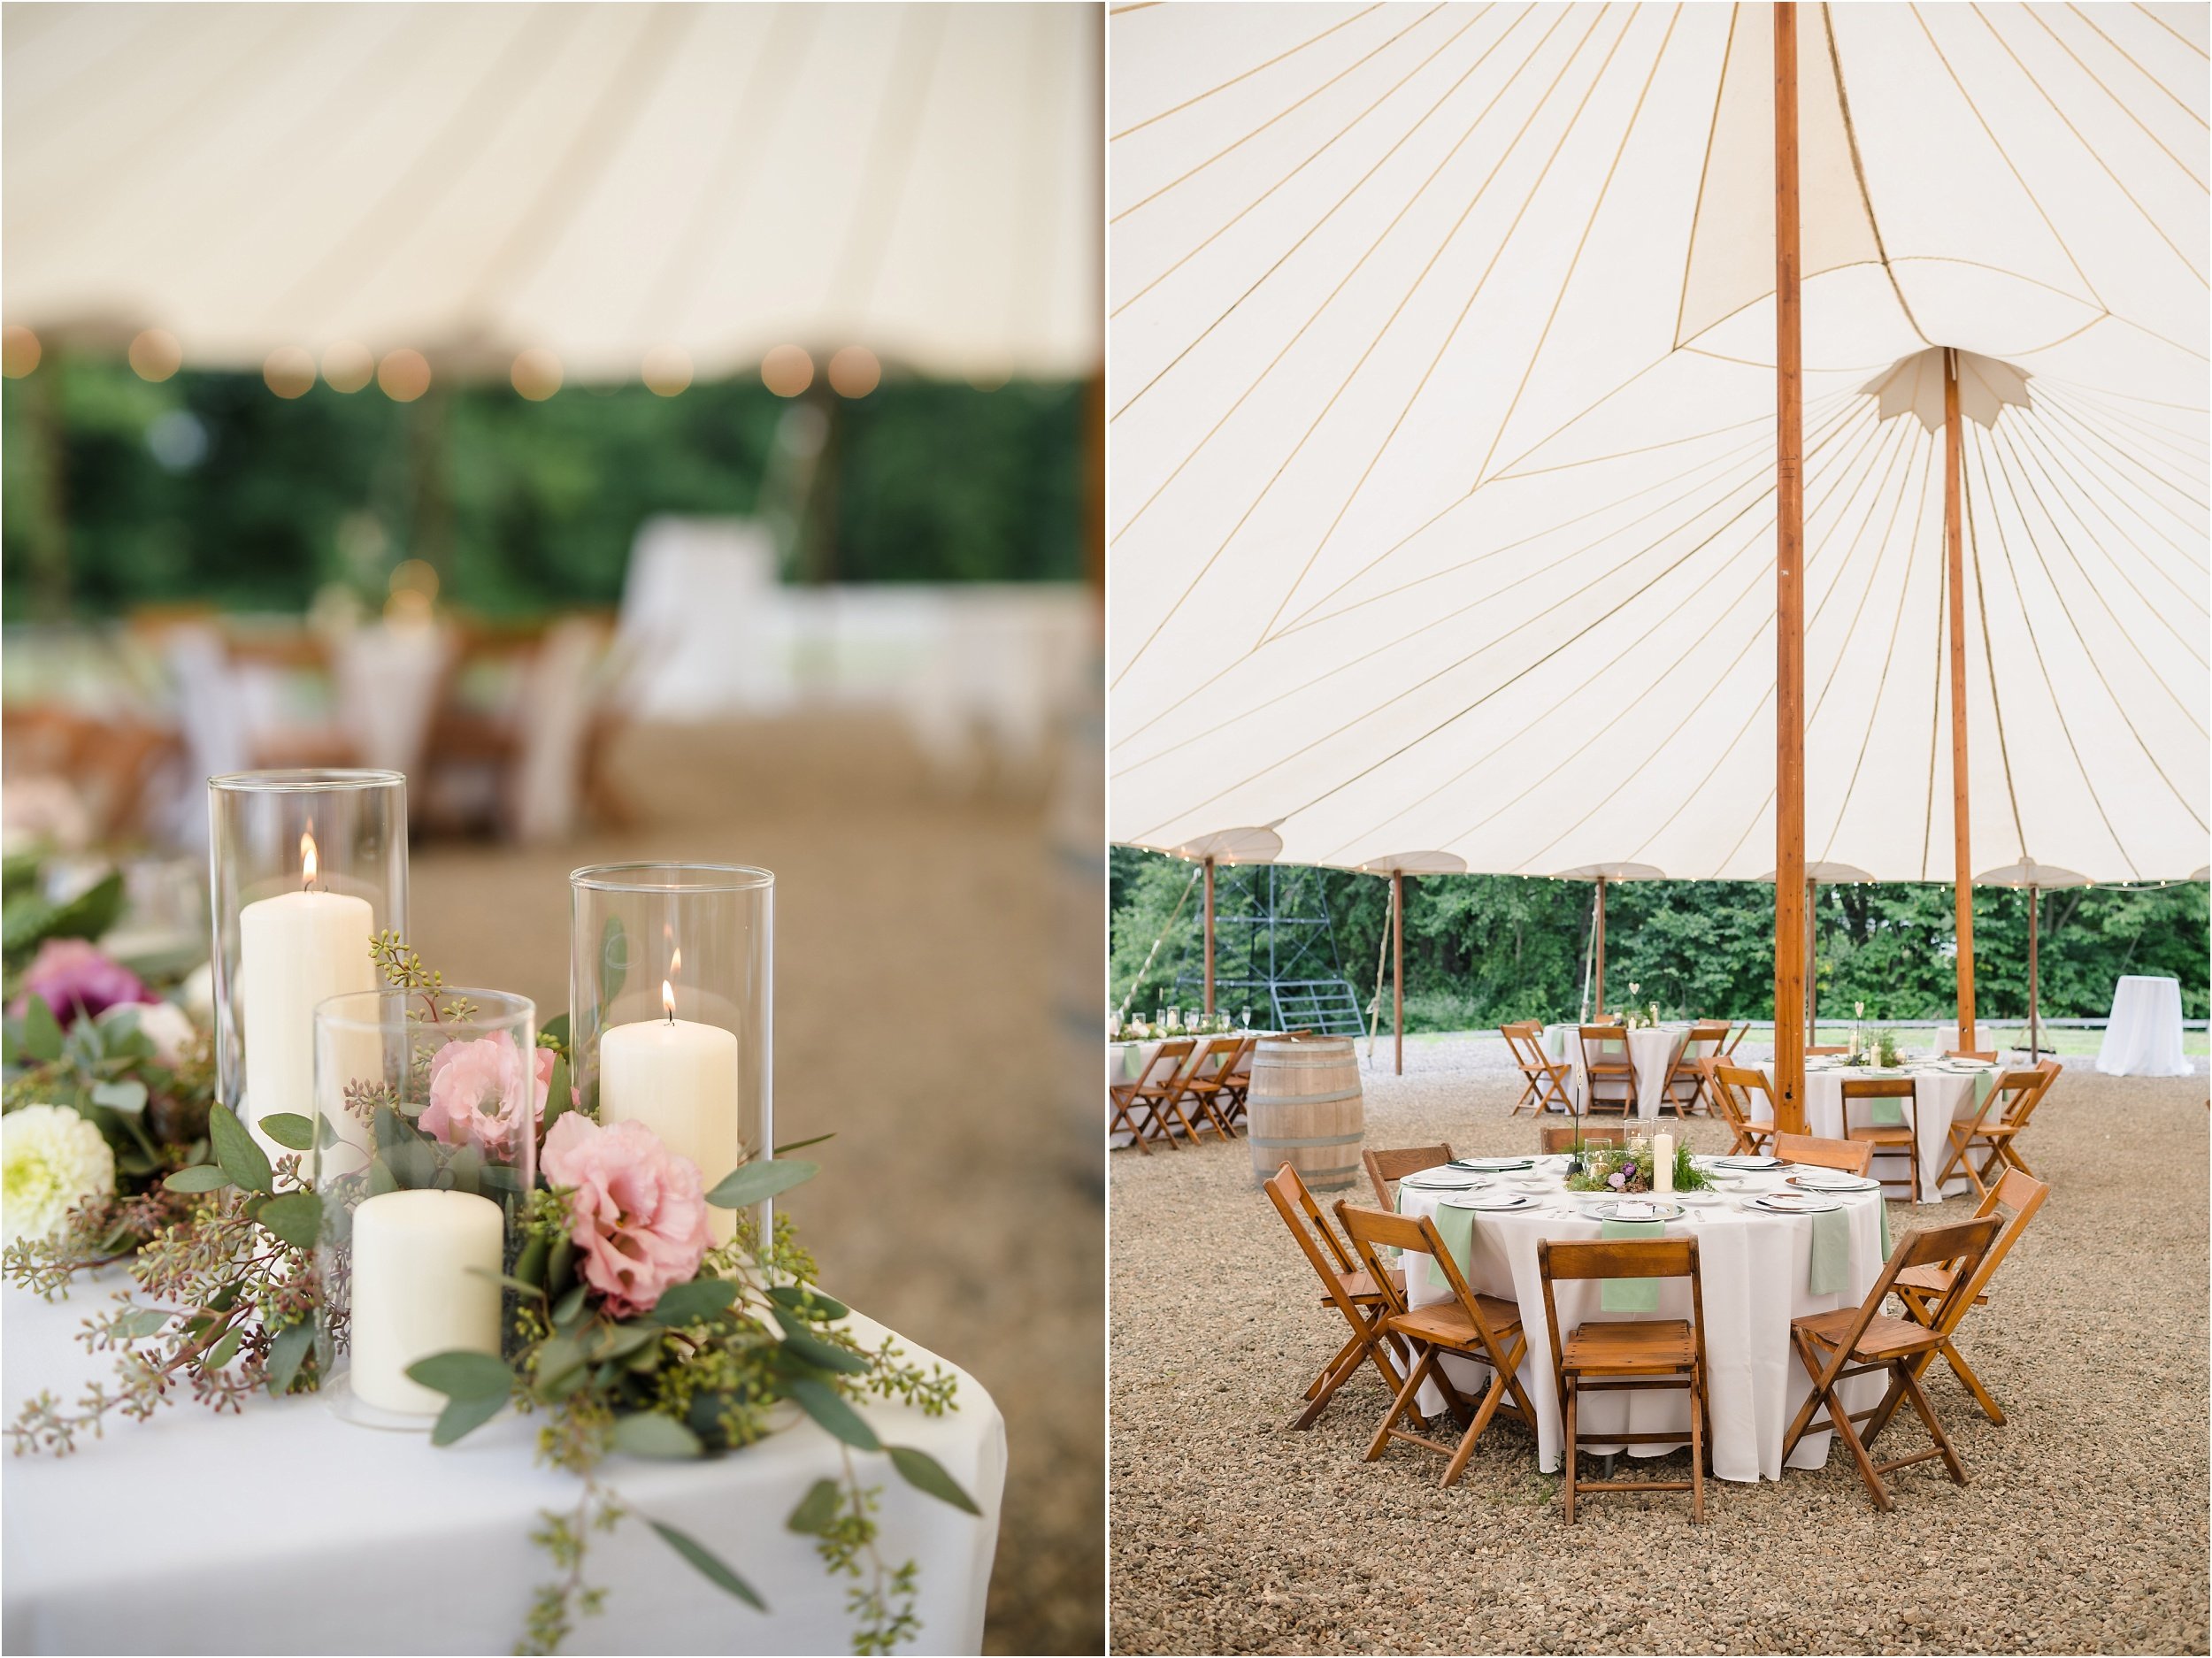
[1457,1227]
[1830,1270]
[1881,1207]
[1630,1295]
[1886,1111]
[1555,1040]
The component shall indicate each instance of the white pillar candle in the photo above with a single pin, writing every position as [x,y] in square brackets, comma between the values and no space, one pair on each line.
[294,950]
[679,1077]
[414,1293]
[1662,1162]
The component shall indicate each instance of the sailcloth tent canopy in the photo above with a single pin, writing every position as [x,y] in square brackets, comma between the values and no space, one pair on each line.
[1441,393]
[600,181]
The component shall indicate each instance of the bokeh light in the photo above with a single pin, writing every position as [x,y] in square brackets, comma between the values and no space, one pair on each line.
[155,355]
[348,366]
[414,575]
[536,373]
[787,370]
[853,371]
[405,374]
[290,371]
[20,351]
[667,370]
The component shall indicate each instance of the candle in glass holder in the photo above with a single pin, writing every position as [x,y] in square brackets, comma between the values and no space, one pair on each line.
[415,1293]
[294,949]
[1662,1162]
[679,1077]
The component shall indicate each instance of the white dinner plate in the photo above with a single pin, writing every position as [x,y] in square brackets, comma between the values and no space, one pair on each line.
[1793,1203]
[1701,1198]
[1487,1201]
[1651,1210]
[1443,1179]
[1495,1165]
[1834,1180]
[1746,1162]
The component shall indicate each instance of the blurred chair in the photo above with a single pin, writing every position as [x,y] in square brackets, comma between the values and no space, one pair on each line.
[80,778]
[1390,1165]
[1609,1070]
[1558,1137]
[1544,1081]
[1851,1156]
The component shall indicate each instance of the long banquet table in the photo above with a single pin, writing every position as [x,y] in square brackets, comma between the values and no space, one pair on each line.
[1753,1267]
[1943,1091]
[285,1529]
[1126,1061]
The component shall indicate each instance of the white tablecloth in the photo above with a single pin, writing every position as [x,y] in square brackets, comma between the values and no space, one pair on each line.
[1752,1267]
[1939,1095]
[160,1538]
[2143,1038]
[1652,1051]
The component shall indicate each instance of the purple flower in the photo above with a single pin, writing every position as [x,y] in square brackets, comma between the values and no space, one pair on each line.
[1618,1180]
[77,980]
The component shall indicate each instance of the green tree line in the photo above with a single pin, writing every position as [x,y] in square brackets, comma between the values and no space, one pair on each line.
[207,487]
[1481,949]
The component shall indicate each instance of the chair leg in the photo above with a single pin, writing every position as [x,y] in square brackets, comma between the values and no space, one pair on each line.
[1341,1369]
[1972,1382]
[1841,1422]
[1569,1413]
[1353,1348]
[1935,1429]
[1457,1466]
[1122,1120]
[1697,1452]
[1414,1378]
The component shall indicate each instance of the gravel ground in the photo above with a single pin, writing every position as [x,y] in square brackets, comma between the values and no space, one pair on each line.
[2083,1530]
[962,1201]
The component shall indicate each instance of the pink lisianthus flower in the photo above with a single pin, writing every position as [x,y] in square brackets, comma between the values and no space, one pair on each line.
[637,1210]
[477,1090]
[77,979]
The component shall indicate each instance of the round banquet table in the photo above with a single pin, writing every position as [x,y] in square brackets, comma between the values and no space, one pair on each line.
[1753,1268]
[1943,1091]
[2143,1036]
[1653,1052]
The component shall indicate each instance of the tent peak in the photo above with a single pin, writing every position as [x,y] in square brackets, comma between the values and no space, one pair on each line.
[1914,385]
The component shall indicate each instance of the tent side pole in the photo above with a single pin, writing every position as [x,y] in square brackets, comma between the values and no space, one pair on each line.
[1961,853]
[2035,1032]
[1209,937]
[1398,967]
[1789,598]
[1600,1014]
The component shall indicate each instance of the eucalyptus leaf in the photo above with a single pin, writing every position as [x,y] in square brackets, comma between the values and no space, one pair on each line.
[225,1350]
[287,1352]
[924,1473]
[381,1180]
[801,1343]
[289,1130]
[200,1177]
[296,1217]
[708,1567]
[648,1433]
[530,1266]
[556,1027]
[462,1416]
[829,1409]
[464,1375]
[615,1342]
[816,1510]
[801,1144]
[127,1096]
[139,1323]
[558,1356]
[41,1036]
[236,1149]
[800,1297]
[688,1303]
[756,1182]
[559,1097]
[570,1306]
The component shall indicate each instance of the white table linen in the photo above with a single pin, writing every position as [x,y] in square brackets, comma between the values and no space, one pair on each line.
[160,1538]
[2143,1036]
[1752,1269]
[1652,1051]
[1941,1096]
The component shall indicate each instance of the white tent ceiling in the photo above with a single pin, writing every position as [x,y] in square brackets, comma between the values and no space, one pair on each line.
[1441,401]
[600,180]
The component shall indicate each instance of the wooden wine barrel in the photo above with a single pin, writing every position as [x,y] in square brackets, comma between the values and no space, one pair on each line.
[1306,1110]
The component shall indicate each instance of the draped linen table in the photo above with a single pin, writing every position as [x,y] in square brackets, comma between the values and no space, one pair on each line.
[1126,1061]
[1753,1267]
[2143,1036]
[1652,1051]
[285,1529]
[1942,1092]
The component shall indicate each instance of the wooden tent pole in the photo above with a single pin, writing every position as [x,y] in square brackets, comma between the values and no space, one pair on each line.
[1209,936]
[1789,598]
[2035,1031]
[1600,1014]
[1960,852]
[1398,967]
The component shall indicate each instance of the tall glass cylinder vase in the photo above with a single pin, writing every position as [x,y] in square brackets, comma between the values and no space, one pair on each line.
[671,972]
[426,1108]
[305,868]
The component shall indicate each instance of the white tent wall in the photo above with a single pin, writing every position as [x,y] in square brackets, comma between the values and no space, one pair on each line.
[600,180]
[1441,401]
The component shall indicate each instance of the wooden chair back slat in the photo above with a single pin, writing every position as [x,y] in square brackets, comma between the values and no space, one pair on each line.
[1390,1165]
[1621,1258]
[1558,1137]
[1852,1157]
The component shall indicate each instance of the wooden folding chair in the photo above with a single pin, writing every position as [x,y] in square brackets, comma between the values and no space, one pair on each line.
[1862,1340]
[1728,1088]
[1891,1140]
[1990,1131]
[1388,1165]
[1989,1053]
[1612,1356]
[1852,1157]
[1543,1079]
[1607,1065]
[1345,1286]
[1208,1081]
[1735,1040]
[1125,1098]
[1685,1087]
[1481,1327]
[1923,1290]
[1236,1081]
[1161,1093]
[1560,1137]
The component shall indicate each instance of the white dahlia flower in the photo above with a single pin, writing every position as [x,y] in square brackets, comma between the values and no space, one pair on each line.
[50,1161]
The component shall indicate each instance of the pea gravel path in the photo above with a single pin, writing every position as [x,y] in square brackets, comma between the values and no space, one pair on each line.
[2083,1530]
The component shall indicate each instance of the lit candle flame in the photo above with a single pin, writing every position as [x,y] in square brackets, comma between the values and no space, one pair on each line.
[307,856]
[668,1000]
